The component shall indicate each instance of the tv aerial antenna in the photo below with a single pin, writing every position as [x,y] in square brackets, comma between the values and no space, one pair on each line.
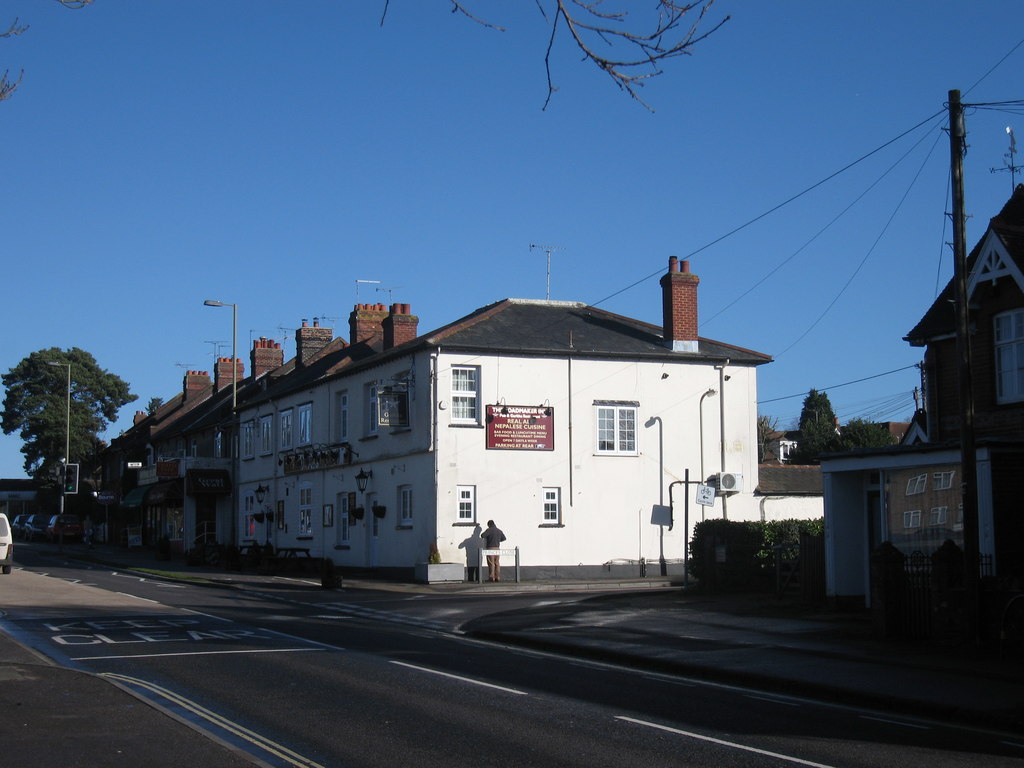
[1009,166]
[389,292]
[216,347]
[547,249]
[370,282]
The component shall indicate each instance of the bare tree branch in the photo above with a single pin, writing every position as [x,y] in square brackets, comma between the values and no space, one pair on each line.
[8,86]
[629,56]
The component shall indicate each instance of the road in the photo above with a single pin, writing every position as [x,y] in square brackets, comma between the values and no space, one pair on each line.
[298,676]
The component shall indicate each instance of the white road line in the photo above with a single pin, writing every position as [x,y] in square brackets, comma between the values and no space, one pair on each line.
[257,740]
[904,723]
[723,743]
[192,653]
[143,599]
[773,700]
[459,677]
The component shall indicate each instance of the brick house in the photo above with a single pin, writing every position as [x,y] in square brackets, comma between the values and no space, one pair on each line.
[910,495]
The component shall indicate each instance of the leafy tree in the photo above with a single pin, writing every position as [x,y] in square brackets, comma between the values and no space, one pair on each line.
[36,406]
[858,434]
[154,405]
[817,429]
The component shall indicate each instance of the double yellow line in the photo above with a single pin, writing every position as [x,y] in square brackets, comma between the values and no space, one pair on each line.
[271,747]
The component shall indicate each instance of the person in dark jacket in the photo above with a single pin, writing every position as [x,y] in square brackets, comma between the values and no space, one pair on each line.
[492,540]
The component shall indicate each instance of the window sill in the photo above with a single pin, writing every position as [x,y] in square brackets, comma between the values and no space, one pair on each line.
[474,425]
[464,524]
[403,527]
[342,546]
[303,538]
[551,525]
[364,438]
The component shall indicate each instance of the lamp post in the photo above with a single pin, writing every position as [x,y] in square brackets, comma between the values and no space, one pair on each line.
[67,429]
[234,342]
[700,408]
[261,493]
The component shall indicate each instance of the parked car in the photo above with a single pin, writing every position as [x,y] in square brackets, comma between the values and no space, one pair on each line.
[67,526]
[6,544]
[18,526]
[35,528]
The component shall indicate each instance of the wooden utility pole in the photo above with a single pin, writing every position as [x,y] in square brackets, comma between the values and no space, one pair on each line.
[968,458]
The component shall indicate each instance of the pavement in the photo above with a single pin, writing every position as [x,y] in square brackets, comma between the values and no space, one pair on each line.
[756,641]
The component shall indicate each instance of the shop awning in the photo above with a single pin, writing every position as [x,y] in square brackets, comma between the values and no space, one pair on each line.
[135,496]
[164,493]
[201,482]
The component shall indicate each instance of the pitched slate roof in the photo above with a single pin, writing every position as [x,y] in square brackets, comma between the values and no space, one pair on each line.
[788,480]
[532,327]
[1008,226]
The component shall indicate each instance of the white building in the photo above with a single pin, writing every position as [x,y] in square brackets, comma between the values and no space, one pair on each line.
[572,428]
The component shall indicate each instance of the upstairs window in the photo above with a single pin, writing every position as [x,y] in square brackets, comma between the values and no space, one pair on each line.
[343,417]
[266,434]
[616,428]
[552,506]
[1009,351]
[466,394]
[286,429]
[305,424]
[467,503]
[248,430]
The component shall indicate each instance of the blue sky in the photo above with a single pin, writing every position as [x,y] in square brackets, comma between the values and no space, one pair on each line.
[271,154]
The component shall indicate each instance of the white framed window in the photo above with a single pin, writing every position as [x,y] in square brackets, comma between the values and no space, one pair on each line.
[616,428]
[1009,353]
[218,445]
[342,520]
[248,430]
[343,417]
[958,522]
[466,394]
[917,484]
[405,505]
[372,413]
[305,424]
[286,429]
[552,506]
[912,518]
[305,510]
[466,495]
[942,481]
[248,516]
[266,434]
[939,516]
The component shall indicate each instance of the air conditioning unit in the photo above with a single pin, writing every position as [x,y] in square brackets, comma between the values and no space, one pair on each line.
[730,482]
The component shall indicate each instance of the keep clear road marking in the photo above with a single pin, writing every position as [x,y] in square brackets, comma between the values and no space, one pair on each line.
[459,677]
[197,711]
[721,742]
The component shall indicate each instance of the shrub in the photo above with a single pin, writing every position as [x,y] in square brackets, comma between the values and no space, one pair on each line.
[733,555]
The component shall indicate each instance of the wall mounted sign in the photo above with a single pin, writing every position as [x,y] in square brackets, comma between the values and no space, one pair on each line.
[393,408]
[521,427]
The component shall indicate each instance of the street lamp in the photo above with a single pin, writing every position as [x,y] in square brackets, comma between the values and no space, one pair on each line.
[234,341]
[700,407]
[67,428]
[261,493]
[362,479]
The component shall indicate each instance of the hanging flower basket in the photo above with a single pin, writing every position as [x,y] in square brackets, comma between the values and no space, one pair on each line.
[356,512]
[379,510]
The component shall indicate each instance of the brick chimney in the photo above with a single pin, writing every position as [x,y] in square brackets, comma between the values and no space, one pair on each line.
[679,306]
[310,341]
[366,324]
[399,326]
[266,356]
[139,416]
[196,384]
[222,373]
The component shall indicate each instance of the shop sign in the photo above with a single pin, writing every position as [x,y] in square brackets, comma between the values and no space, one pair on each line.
[520,427]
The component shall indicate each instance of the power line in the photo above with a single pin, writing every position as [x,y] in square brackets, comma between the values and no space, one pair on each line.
[837,386]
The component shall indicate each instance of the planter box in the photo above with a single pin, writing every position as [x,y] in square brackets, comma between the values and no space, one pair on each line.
[431,573]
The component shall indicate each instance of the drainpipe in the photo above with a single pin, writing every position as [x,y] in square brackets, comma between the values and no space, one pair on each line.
[721,427]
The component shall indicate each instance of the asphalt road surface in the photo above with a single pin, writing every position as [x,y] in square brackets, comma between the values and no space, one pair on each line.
[294,675]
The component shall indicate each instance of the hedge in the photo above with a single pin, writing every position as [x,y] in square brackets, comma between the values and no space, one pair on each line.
[729,554]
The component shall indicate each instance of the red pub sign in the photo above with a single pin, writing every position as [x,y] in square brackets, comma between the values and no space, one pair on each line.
[520,427]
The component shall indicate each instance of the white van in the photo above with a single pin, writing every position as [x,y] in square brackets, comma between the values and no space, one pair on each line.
[6,544]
